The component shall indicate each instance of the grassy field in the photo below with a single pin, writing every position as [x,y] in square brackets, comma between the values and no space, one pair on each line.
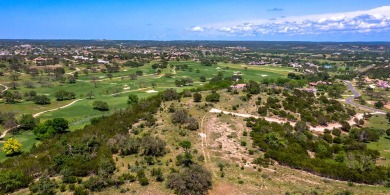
[105,87]
[26,138]
[383,145]
[80,113]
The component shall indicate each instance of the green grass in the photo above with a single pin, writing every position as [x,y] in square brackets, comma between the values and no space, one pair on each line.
[80,113]
[26,138]
[106,87]
[379,122]
[383,145]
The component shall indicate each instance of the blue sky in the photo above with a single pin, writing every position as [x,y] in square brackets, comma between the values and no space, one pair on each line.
[282,20]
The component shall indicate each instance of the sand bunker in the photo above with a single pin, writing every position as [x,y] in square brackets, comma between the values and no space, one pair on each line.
[151,91]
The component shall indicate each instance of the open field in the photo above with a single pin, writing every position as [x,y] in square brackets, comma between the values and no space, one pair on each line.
[26,138]
[105,87]
[383,145]
[81,112]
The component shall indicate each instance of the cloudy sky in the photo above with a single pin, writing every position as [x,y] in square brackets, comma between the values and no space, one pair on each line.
[281,20]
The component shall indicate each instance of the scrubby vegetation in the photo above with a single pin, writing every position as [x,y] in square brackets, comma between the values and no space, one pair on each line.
[343,157]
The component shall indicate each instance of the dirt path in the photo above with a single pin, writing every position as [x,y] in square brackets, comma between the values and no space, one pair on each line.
[6,131]
[280,121]
[54,109]
[205,152]
[71,73]
[5,87]
[4,134]
[40,113]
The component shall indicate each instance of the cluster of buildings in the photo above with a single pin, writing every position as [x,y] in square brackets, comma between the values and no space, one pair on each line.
[377,83]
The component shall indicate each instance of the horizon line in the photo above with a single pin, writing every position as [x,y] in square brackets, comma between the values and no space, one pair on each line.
[193,40]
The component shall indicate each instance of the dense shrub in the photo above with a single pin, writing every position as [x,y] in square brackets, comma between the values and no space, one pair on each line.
[170,94]
[64,95]
[179,116]
[213,97]
[51,127]
[197,97]
[12,180]
[352,162]
[41,100]
[100,105]
[44,186]
[192,180]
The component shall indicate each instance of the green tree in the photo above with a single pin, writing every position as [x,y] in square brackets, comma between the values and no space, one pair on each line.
[106,167]
[186,145]
[100,105]
[139,72]
[28,122]
[12,180]
[213,97]
[41,100]
[301,126]
[197,97]
[44,186]
[132,99]
[336,91]
[192,180]
[60,125]
[12,147]
[345,126]
[170,94]
[51,127]
[179,116]
[388,132]
[253,87]
[379,104]
[202,79]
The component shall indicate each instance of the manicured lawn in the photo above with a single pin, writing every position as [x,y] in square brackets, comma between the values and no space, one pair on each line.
[383,145]
[26,138]
[80,113]
[105,87]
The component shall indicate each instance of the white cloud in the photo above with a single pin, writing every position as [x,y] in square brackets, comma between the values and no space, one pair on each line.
[196,29]
[377,19]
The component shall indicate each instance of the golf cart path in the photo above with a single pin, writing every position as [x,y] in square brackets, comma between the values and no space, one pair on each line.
[38,114]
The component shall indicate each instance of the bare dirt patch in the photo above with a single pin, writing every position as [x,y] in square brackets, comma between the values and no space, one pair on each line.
[226,140]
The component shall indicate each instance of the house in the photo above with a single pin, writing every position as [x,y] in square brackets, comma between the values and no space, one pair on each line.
[383,84]
[368,80]
[313,84]
[324,82]
[80,58]
[40,60]
[100,61]
[238,86]
[310,89]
